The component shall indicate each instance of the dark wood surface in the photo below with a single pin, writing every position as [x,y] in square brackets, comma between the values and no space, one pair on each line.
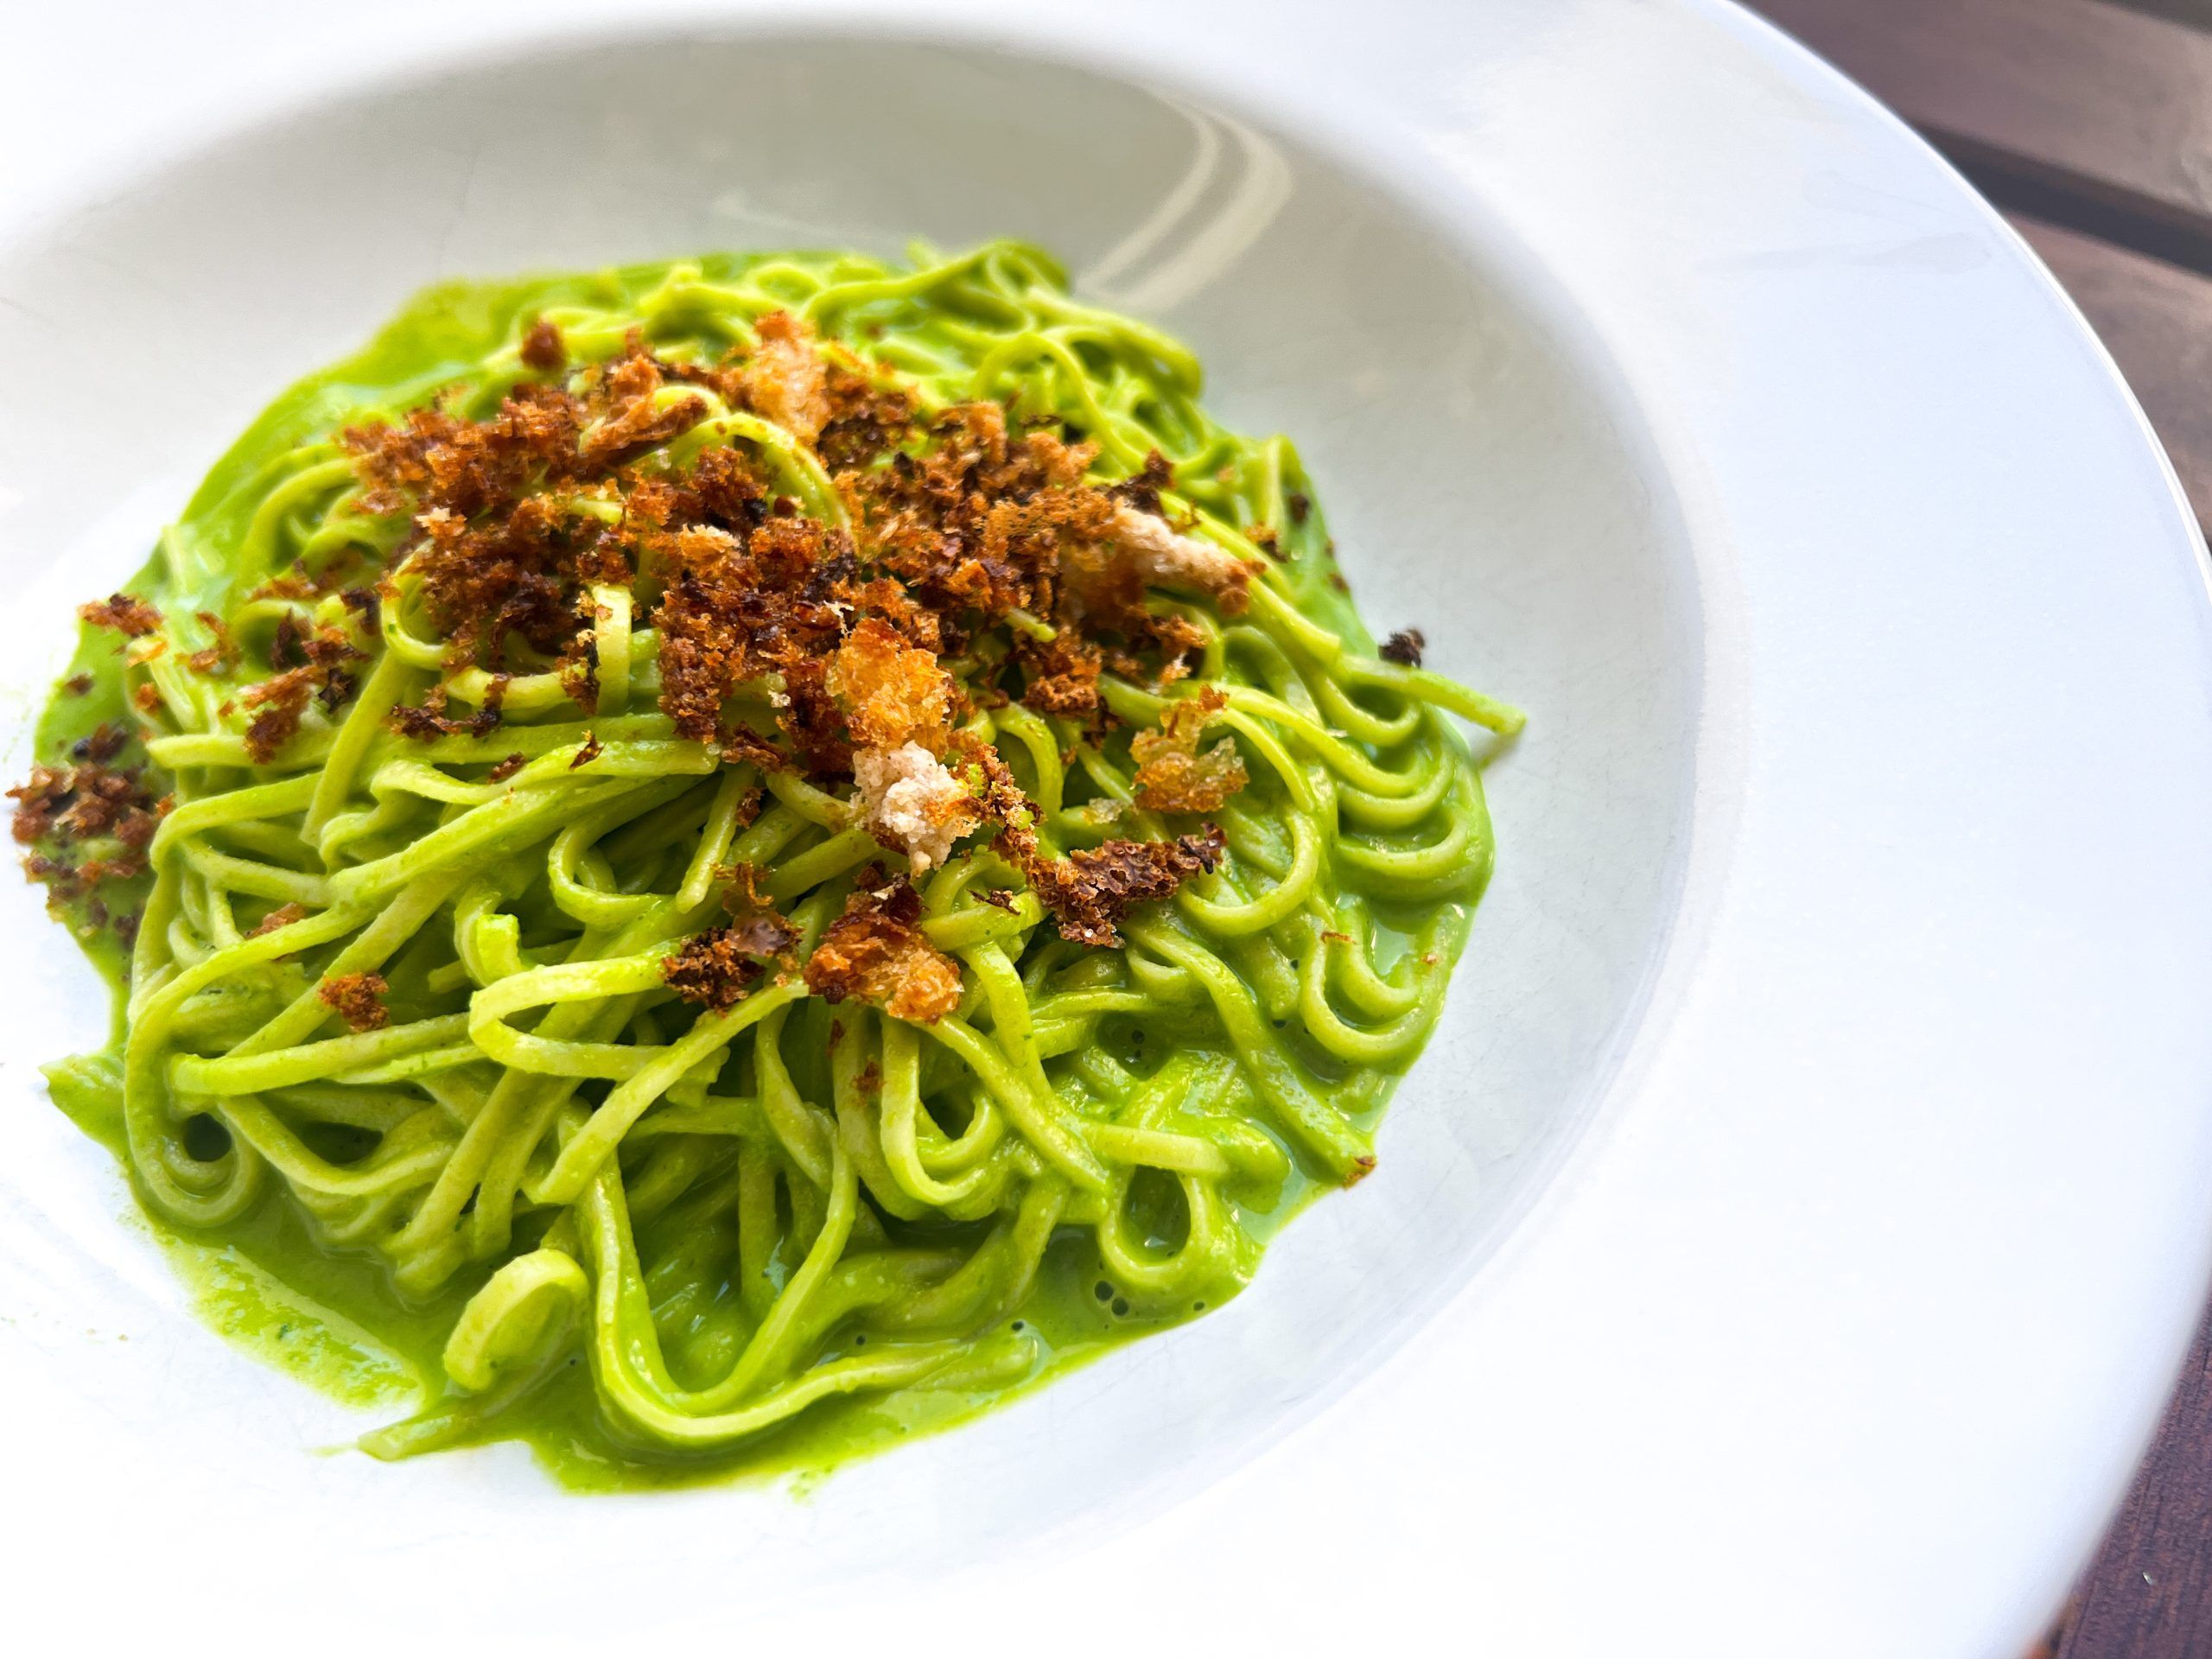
[2107,104]
[2149,1591]
[2155,319]
[2089,123]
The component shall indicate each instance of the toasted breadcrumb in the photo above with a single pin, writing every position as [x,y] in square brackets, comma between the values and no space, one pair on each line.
[787,382]
[1061,674]
[1141,489]
[974,519]
[429,721]
[131,617]
[735,610]
[868,419]
[1090,890]
[543,348]
[358,999]
[721,966]
[977,525]
[222,655]
[1164,557]
[892,694]
[1404,648]
[876,953]
[1173,775]
[283,916]
[322,675]
[740,742]
[913,805]
[70,805]
[282,701]
[102,744]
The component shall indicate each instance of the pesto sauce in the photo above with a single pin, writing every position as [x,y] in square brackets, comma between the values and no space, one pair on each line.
[333,1318]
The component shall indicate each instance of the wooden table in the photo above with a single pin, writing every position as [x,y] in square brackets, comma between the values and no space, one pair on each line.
[2088,123]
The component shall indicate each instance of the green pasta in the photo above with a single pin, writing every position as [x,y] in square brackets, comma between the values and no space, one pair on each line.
[600,1009]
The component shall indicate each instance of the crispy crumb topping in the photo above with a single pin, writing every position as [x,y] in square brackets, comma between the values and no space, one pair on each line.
[130,617]
[719,967]
[322,675]
[980,561]
[1092,889]
[1404,648]
[1173,775]
[358,999]
[913,802]
[543,348]
[785,382]
[428,720]
[890,693]
[89,824]
[283,916]
[877,953]
[219,659]
[1089,891]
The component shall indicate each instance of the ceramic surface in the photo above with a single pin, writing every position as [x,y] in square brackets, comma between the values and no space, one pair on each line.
[1795,1219]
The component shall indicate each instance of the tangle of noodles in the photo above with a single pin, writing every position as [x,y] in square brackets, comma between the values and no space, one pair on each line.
[402,920]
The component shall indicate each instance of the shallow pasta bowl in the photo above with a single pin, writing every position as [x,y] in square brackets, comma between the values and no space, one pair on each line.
[1794,1222]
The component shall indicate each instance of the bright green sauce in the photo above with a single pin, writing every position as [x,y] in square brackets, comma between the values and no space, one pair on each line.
[1407,877]
[332,1320]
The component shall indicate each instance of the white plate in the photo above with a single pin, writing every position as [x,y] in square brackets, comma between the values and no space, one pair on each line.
[1791,1232]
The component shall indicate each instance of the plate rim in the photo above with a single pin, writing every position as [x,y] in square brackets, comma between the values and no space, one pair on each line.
[2070,1534]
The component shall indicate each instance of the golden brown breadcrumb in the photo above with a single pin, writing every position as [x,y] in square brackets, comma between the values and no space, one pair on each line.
[1173,775]
[1142,488]
[70,805]
[1090,890]
[358,999]
[1061,674]
[787,382]
[102,744]
[889,692]
[321,675]
[721,966]
[1404,648]
[130,616]
[543,348]
[283,916]
[428,720]
[869,417]
[631,417]
[736,610]
[963,523]
[222,657]
[875,952]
